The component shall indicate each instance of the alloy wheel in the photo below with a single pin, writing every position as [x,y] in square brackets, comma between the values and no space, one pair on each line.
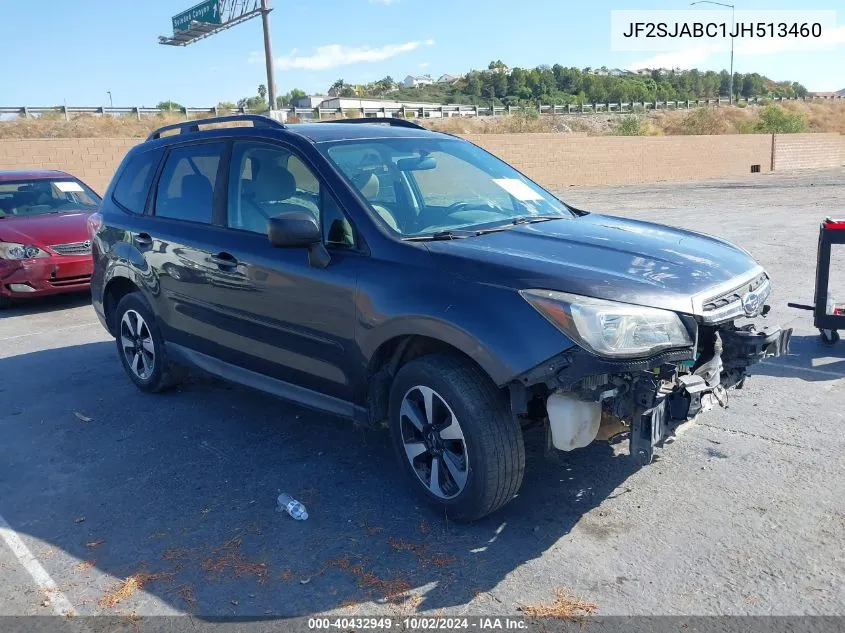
[434,442]
[136,341]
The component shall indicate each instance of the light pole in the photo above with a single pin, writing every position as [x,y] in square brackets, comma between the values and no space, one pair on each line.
[268,53]
[111,103]
[733,9]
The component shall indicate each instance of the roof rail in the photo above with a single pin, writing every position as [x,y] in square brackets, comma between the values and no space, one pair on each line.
[393,121]
[258,120]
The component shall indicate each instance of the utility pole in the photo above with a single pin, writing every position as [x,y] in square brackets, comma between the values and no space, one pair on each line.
[268,53]
[111,103]
[733,21]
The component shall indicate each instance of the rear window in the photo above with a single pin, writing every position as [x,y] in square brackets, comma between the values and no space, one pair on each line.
[130,190]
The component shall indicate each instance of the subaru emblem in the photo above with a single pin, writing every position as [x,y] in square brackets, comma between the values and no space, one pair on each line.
[751,303]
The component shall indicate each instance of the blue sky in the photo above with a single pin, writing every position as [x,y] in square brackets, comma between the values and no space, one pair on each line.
[77,51]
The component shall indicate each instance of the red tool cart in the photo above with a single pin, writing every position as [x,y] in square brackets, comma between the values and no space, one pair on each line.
[828,314]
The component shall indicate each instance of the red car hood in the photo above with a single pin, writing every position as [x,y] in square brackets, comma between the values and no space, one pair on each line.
[45,230]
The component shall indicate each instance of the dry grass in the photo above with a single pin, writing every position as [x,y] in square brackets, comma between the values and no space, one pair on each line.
[175,554]
[84,565]
[391,590]
[421,551]
[128,587]
[821,117]
[228,557]
[186,592]
[565,606]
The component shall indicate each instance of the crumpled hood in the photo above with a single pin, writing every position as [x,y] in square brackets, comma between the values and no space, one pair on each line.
[599,256]
[46,229]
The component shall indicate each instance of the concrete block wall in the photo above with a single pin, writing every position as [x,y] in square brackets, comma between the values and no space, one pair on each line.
[554,160]
[808,151]
[92,160]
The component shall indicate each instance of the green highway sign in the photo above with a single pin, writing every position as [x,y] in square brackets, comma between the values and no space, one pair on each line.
[207,12]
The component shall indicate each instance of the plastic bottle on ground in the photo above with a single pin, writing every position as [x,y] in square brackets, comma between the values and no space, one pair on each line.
[292,507]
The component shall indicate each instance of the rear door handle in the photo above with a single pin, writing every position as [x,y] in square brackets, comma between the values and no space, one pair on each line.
[143,240]
[224,261]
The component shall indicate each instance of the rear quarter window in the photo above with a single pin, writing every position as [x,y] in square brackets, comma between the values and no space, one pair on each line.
[133,183]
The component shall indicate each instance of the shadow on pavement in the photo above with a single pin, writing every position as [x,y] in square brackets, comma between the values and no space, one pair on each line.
[49,303]
[809,359]
[182,486]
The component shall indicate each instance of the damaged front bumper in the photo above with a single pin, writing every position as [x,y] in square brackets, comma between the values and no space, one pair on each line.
[651,397]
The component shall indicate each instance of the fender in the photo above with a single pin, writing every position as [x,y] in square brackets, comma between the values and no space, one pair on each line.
[506,337]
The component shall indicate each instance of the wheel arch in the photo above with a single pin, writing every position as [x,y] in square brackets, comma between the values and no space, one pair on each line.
[397,350]
[115,289]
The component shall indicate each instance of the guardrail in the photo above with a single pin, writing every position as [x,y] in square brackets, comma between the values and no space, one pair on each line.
[433,111]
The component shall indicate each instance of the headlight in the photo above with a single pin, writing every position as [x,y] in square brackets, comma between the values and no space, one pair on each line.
[608,328]
[10,250]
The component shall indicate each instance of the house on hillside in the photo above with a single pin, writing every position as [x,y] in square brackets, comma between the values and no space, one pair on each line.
[412,81]
[827,95]
[308,101]
[447,79]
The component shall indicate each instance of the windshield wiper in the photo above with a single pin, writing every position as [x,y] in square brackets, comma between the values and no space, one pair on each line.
[517,221]
[439,235]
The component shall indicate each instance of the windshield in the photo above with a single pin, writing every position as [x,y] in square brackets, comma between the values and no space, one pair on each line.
[424,186]
[37,197]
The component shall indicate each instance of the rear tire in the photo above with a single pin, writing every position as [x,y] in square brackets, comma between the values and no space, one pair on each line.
[140,346]
[5,302]
[445,410]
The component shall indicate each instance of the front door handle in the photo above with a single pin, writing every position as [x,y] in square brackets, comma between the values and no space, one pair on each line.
[224,261]
[143,240]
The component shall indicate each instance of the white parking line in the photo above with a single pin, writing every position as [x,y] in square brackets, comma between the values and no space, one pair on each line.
[58,329]
[809,370]
[58,601]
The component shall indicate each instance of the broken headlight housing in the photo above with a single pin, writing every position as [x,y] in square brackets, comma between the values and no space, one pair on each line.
[10,250]
[609,328]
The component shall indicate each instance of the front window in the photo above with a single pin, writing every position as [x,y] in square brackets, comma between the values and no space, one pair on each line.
[37,197]
[425,186]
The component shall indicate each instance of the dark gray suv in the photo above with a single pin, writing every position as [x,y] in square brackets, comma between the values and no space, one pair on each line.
[397,276]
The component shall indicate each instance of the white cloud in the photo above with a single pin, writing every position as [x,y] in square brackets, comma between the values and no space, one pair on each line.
[688,58]
[334,55]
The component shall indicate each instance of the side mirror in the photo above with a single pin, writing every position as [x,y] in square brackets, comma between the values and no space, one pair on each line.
[294,229]
[298,229]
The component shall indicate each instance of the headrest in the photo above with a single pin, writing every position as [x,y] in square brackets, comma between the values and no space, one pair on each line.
[271,182]
[368,184]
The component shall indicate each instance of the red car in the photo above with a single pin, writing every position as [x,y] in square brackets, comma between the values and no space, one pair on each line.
[44,243]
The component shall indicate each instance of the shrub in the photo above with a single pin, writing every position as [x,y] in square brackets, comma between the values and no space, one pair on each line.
[703,121]
[775,120]
[628,126]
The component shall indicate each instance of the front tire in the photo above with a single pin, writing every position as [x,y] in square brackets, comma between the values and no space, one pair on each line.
[455,437]
[140,346]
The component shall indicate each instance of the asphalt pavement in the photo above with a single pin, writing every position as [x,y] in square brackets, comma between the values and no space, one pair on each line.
[135,504]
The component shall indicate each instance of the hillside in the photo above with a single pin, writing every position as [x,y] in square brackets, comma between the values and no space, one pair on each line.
[500,85]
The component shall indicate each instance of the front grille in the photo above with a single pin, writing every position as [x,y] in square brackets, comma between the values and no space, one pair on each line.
[729,305]
[64,282]
[72,248]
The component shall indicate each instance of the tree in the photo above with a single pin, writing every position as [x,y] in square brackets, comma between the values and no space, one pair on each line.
[337,87]
[775,120]
[262,91]
[286,100]
[170,105]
